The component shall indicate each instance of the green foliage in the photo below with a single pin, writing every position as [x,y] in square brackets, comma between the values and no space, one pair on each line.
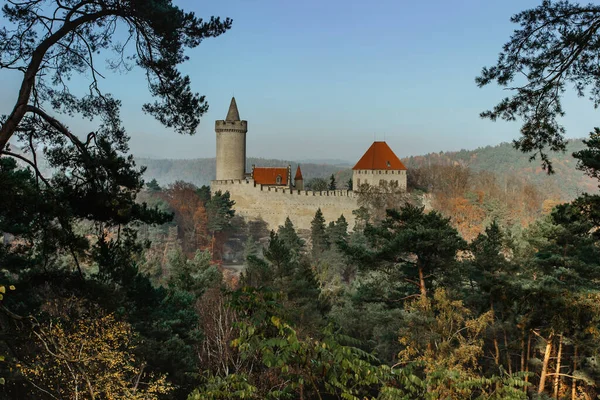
[318,235]
[220,211]
[553,48]
[291,240]
[410,246]
[204,194]
[153,186]
[450,369]
[332,183]
[337,231]
[194,276]
[293,364]
[279,256]
[71,38]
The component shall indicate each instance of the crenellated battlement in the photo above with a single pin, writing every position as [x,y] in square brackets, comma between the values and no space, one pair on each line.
[281,189]
[231,126]
[274,204]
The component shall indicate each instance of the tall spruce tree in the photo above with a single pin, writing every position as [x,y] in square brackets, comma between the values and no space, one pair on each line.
[332,183]
[338,230]
[318,235]
[290,238]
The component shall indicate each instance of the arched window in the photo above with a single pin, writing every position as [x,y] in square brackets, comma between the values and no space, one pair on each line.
[278,179]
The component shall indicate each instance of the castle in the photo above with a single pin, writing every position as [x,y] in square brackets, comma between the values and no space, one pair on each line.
[272,195]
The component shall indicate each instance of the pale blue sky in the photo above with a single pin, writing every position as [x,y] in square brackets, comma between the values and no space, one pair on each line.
[322,78]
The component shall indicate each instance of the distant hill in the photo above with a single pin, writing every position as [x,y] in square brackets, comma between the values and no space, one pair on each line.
[502,160]
[201,171]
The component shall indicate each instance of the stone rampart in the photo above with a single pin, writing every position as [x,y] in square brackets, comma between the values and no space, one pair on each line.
[275,204]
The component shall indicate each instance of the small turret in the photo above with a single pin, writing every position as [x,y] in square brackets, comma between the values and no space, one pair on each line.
[298,180]
[231,145]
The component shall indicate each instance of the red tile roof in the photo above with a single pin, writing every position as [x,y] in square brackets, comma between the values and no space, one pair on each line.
[379,156]
[268,175]
[298,174]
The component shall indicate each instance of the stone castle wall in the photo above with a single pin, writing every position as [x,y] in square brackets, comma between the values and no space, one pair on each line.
[274,205]
[374,177]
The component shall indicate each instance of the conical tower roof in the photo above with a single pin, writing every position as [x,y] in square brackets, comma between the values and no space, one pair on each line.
[233,114]
[298,174]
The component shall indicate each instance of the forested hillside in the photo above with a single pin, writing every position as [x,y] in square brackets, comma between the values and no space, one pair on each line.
[504,160]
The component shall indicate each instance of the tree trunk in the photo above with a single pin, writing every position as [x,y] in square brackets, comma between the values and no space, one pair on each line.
[37,57]
[544,372]
[558,360]
[495,337]
[508,360]
[573,380]
[527,359]
[523,350]
[422,287]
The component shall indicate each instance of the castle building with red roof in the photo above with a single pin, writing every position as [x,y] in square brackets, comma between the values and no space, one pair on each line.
[270,193]
[378,165]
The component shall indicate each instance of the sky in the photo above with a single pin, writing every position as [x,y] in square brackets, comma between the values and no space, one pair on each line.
[321,79]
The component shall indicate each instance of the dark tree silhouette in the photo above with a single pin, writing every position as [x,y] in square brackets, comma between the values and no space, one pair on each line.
[555,47]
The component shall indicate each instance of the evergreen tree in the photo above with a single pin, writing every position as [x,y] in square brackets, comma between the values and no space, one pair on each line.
[153,186]
[332,183]
[279,255]
[204,194]
[554,48]
[493,288]
[337,230]
[250,247]
[289,237]
[53,42]
[318,234]
[220,211]
[350,184]
[410,246]
[194,276]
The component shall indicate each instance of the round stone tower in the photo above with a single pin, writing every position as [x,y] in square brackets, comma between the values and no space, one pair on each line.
[231,145]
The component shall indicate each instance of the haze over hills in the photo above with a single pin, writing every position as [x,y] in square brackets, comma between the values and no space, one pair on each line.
[201,171]
[501,159]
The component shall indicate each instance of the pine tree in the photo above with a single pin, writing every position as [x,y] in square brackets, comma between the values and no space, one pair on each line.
[279,255]
[318,234]
[204,193]
[410,246]
[289,237]
[220,211]
[554,48]
[337,230]
[153,186]
[332,183]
